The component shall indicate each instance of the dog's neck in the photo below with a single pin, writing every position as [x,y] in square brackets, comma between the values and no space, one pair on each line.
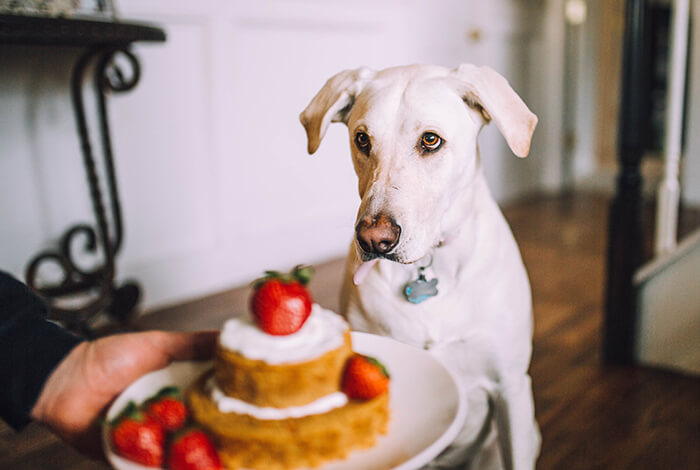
[461,229]
[465,211]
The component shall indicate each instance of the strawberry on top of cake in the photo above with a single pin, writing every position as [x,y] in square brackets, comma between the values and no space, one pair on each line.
[280,302]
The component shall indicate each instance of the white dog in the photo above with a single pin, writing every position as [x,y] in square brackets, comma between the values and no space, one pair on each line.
[427,218]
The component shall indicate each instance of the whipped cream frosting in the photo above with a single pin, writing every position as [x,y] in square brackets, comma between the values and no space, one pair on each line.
[323,331]
[228,404]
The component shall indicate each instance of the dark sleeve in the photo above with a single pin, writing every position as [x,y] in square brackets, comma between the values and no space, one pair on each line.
[30,348]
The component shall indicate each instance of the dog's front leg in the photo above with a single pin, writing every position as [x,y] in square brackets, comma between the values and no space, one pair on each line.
[494,394]
[477,446]
[518,434]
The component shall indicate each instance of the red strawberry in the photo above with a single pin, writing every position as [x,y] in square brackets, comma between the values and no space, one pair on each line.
[280,302]
[193,450]
[167,408]
[138,437]
[364,378]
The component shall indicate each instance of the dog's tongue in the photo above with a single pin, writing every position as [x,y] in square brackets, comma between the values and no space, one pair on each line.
[362,271]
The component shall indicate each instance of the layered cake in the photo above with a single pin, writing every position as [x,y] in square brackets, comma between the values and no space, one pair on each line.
[283,401]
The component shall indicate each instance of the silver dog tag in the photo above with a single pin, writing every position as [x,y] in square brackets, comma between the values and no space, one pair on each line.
[421,289]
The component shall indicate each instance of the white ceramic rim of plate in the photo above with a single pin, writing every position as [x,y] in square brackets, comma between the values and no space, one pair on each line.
[434,449]
[359,340]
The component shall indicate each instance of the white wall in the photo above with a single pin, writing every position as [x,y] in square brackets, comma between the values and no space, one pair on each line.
[215,182]
[583,152]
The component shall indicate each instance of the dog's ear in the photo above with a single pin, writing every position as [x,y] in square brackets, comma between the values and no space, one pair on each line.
[487,90]
[333,103]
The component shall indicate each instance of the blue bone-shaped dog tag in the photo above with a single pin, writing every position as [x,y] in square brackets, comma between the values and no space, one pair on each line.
[421,289]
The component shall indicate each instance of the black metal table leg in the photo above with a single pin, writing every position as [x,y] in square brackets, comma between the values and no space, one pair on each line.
[95,286]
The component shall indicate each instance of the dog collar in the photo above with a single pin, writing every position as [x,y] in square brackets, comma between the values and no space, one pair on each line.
[421,289]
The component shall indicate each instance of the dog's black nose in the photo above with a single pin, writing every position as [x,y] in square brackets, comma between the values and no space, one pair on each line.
[378,235]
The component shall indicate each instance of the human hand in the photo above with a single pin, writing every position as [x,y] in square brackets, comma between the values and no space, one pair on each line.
[86,381]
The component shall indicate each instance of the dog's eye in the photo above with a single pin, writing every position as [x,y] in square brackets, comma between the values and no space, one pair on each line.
[362,142]
[430,142]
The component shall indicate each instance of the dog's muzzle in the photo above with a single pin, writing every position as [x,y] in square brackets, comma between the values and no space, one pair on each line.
[377,235]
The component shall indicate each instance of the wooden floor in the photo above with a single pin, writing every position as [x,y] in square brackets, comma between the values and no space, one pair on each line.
[591,416]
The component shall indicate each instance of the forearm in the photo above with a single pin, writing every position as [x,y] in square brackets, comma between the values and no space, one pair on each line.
[30,348]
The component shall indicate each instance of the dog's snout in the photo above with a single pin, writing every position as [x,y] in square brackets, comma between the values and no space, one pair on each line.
[378,235]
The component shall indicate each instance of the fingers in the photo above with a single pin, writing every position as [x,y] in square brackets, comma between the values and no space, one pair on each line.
[93,373]
[121,359]
[197,345]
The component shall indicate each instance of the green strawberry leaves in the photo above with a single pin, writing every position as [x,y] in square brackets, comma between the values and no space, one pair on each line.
[379,365]
[169,391]
[131,410]
[301,274]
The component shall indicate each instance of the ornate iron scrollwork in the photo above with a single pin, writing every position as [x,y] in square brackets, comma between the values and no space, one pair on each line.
[96,285]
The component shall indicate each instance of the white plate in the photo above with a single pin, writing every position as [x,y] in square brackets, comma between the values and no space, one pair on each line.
[426,409]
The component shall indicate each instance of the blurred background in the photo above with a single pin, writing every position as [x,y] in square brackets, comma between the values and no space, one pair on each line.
[211,159]
[216,186]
